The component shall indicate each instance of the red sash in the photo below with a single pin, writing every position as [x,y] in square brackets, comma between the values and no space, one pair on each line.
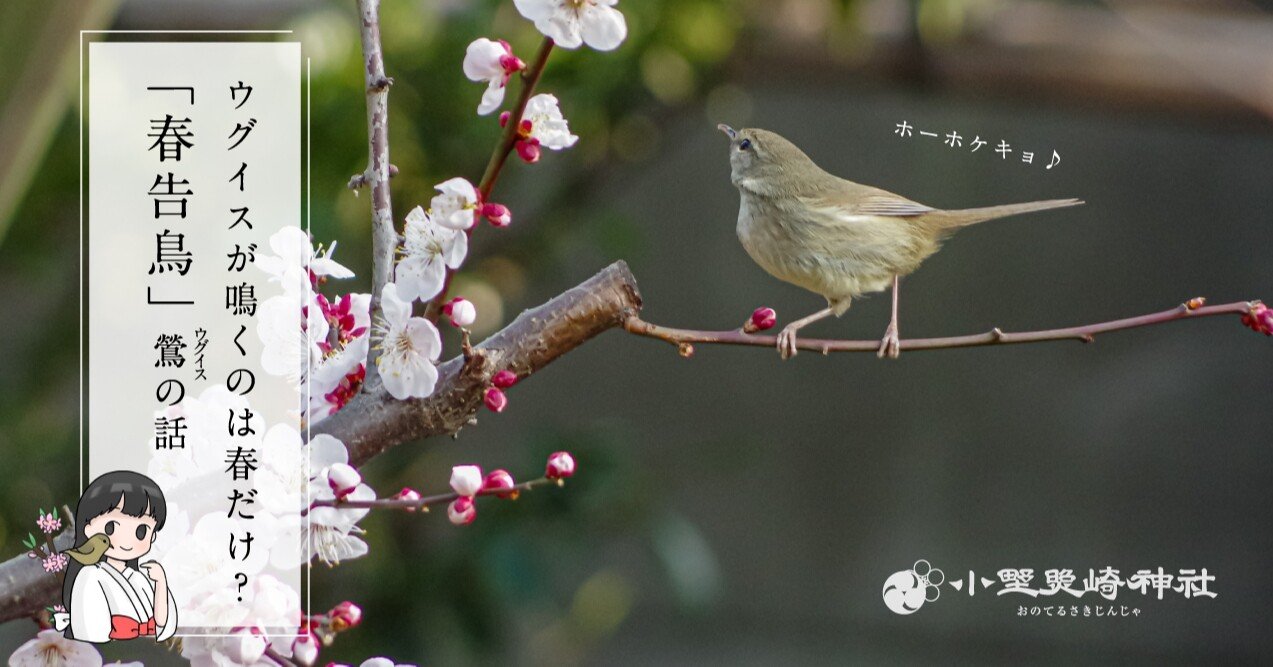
[123,627]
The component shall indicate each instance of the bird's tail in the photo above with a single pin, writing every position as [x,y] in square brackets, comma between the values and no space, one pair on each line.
[970,216]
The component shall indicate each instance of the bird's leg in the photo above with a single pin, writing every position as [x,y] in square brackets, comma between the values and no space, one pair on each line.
[787,337]
[891,345]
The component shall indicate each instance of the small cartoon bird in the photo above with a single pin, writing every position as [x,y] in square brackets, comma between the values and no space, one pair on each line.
[91,551]
[834,237]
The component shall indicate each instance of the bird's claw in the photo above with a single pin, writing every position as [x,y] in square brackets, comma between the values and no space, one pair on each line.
[787,342]
[891,345]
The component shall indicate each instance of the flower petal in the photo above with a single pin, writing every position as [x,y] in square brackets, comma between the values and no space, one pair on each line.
[396,310]
[492,98]
[603,27]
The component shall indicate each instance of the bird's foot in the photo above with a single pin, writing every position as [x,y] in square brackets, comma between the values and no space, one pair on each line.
[891,345]
[787,342]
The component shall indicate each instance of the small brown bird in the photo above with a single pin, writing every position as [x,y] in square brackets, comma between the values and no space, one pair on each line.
[835,237]
[91,551]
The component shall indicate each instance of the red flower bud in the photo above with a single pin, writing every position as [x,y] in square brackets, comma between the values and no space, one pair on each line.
[462,511]
[560,466]
[500,479]
[495,399]
[503,118]
[345,615]
[504,379]
[528,150]
[761,319]
[408,493]
[497,214]
[1259,319]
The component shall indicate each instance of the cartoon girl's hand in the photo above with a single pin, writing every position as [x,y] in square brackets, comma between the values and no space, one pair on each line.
[156,572]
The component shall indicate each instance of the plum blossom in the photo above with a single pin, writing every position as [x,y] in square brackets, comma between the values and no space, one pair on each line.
[573,22]
[408,493]
[345,615]
[343,479]
[762,319]
[504,379]
[409,346]
[495,399]
[49,647]
[462,511]
[305,649]
[500,480]
[560,466]
[493,62]
[460,312]
[49,523]
[54,563]
[466,480]
[293,254]
[430,249]
[456,206]
[1259,319]
[542,125]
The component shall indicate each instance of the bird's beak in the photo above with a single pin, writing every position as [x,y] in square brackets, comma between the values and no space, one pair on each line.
[729,131]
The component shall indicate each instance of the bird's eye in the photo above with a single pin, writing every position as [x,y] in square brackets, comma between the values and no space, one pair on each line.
[141,532]
[745,144]
[110,527]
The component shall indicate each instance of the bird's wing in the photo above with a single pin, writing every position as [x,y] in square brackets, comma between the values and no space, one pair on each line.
[856,199]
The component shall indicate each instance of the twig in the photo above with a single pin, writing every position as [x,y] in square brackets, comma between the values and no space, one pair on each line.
[530,79]
[688,337]
[358,181]
[425,501]
[384,237]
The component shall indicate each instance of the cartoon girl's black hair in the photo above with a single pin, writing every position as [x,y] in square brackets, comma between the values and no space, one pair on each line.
[141,497]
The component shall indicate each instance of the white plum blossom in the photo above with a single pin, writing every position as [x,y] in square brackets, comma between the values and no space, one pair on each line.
[542,125]
[49,647]
[329,532]
[460,311]
[573,22]
[457,205]
[409,346]
[428,251]
[466,480]
[293,253]
[493,62]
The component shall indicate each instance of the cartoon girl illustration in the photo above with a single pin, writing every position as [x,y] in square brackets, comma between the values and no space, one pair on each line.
[108,597]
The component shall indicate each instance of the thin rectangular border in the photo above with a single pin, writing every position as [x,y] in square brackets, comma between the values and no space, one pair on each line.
[305,592]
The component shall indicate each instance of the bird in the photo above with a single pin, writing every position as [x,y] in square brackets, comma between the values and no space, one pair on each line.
[834,237]
[91,551]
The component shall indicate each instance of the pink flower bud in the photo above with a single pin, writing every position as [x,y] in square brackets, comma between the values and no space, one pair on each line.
[496,400]
[466,480]
[560,466]
[305,649]
[343,479]
[504,118]
[408,493]
[1259,319]
[462,511]
[497,214]
[500,479]
[460,312]
[345,615]
[762,319]
[528,150]
[511,63]
[504,379]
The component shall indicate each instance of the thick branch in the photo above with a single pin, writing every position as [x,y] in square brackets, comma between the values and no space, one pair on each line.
[374,421]
[384,238]
[25,588]
[684,339]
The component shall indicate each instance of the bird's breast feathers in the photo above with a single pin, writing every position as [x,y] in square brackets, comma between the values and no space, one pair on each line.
[829,249]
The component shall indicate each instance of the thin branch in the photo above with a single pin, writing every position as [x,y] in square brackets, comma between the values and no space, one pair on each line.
[424,502]
[684,339]
[384,238]
[530,79]
[25,588]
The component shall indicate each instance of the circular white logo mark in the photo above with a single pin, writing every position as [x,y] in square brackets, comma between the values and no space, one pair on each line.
[906,591]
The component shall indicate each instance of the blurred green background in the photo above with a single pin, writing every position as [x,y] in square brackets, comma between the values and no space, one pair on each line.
[732,509]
